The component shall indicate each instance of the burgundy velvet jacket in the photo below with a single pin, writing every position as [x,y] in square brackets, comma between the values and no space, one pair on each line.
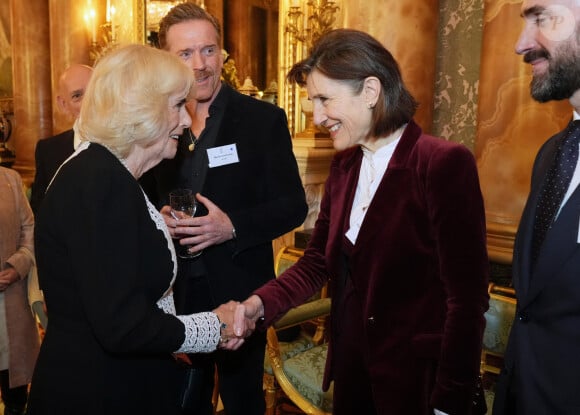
[420,265]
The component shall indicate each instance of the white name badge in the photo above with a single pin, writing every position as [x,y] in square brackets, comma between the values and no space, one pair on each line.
[223,155]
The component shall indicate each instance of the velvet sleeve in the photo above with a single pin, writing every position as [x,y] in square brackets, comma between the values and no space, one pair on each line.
[457,218]
[304,278]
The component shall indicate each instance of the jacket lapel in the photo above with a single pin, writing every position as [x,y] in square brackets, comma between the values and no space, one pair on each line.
[390,185]
[231,119]
[342,183]
[523,246]
[560,245]
[560,240]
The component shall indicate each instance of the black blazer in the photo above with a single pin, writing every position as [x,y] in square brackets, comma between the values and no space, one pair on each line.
[103,265]
[50,153]
[262,193]
[542,359]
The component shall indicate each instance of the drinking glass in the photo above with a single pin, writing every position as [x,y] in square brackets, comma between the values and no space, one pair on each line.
[183,205]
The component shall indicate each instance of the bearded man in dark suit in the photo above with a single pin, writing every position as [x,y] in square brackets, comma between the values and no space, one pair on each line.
[542,362]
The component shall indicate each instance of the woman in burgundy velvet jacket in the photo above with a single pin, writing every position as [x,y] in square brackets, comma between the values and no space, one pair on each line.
[400,238]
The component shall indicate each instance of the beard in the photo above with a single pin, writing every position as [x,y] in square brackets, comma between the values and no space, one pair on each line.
[562,76]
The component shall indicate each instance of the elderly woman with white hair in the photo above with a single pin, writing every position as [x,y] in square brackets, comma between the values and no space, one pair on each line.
[106,262]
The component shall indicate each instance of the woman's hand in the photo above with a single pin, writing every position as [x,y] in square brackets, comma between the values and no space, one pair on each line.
[254,308]
[7,277]
[235,327]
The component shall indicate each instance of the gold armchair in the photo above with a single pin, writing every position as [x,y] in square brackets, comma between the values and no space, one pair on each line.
[499,319]
[297,366]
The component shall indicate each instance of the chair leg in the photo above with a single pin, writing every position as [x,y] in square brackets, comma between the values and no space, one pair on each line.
[216,392]
[270,394]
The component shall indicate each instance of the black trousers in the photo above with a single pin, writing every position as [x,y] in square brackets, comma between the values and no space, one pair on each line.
[14,398]
[240,373]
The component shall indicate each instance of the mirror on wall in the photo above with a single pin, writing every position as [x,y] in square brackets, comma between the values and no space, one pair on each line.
[154,12]
[251,39]
[5,52]
[249,29]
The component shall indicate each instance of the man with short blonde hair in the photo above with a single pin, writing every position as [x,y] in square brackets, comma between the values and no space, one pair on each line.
[237,158]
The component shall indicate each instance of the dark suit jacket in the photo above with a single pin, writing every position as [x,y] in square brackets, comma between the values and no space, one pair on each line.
[419,265]
[50,153]
[262,194]
[542,360]
[103,265]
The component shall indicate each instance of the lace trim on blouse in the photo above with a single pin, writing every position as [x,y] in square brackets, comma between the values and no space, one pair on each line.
[167,304]
[202,333]
[202,330]
[160,224]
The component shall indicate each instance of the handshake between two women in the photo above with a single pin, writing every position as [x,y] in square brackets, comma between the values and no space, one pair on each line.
[238,321]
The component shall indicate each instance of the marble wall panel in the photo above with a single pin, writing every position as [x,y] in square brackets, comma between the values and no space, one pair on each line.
[408,28]
[69,43]
[31,77]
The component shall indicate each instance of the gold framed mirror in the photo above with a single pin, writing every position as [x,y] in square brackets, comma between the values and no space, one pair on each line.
[249,29]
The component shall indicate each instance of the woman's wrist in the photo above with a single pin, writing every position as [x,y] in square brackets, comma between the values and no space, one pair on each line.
[255,306]
[222,327]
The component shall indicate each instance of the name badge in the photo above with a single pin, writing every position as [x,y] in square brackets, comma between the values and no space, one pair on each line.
[223,155]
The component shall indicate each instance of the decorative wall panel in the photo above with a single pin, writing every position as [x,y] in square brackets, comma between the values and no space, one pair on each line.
[457,73]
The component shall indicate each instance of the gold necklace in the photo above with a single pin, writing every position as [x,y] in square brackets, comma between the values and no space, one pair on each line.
[191,147]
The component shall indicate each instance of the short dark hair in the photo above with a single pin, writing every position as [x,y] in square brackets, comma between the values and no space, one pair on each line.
[182,13]
[352,56]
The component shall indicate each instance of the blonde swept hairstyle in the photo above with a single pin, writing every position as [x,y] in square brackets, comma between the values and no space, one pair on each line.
[127,99]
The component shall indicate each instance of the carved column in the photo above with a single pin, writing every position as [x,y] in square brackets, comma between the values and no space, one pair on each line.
[69,44]
[31,80]
[511,128]
[314,151]
[216,8]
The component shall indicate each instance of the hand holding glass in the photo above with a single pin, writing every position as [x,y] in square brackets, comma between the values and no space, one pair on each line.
[183,205]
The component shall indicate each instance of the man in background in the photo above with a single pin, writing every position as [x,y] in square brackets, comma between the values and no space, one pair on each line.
[237,158]
[542,363]
[53,151]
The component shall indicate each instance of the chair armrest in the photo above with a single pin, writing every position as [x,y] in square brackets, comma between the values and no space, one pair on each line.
[38,310]
[303,313]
